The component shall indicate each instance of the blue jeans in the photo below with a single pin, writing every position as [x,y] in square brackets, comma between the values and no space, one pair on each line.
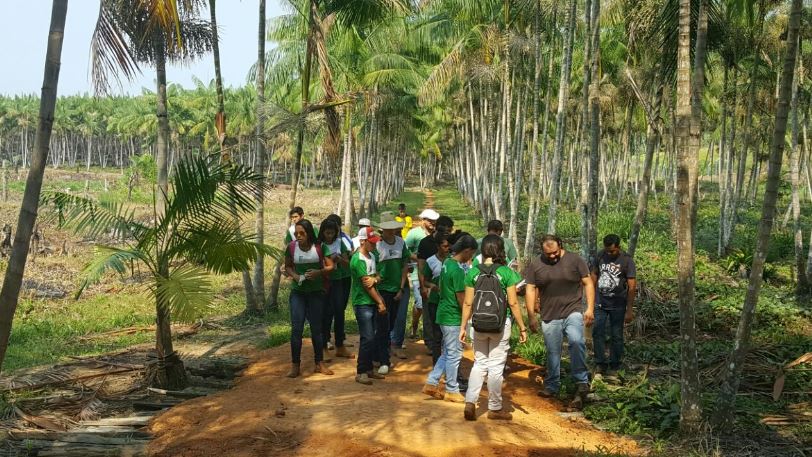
[383,341]
[615,319]
[336,304]
[309,306]
[398,334]
[554,331]
[449,361]
[370,323]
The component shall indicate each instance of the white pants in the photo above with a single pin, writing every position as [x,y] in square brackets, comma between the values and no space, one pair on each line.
[490,355]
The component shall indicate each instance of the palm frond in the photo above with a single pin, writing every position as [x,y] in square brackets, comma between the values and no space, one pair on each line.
[108,258]
[92,218]
[186,291]
[219,247]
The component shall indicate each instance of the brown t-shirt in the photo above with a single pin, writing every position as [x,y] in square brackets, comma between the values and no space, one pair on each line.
[559,285]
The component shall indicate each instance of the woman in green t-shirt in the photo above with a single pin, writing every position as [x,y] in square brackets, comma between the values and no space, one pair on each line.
[491,349]
[338,293]
[449,317]
[307,262]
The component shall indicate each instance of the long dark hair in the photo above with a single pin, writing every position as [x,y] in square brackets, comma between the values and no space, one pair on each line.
[493,247]
[328,224]
[308,228]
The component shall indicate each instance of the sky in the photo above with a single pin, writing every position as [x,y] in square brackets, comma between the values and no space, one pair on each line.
[24,34]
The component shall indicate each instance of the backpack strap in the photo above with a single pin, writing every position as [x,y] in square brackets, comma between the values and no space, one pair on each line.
[320,253]
[292,249]
[486,269]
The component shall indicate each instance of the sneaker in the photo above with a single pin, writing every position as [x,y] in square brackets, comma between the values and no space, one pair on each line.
[547,393]
[399,353]
[454,397]
[429,390]
[341,351]
[294,371]
[403,346]
[500,415]
[579,400]
[373,375]
[363,379]
[330,346]
[413,336]
[470,412]
[600,369]
[384,369]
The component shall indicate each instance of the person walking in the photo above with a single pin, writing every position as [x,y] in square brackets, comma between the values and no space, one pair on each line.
[406,219]
[428,219]
[431,272]
[563,279]
[369,307]
[615,276]
[295,214]
[449,317]
[337,293]
[307,263]
[393,267]
[490,348]
[362,223]
[496,227]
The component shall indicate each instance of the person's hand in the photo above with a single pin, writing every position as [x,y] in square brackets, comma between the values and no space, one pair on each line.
[462,334]
[312,274]
[538,307]
[522,336]
[424,292]
[629,317]
[368,281]
[589,317]
[381,308]
[399,295]
[534,324]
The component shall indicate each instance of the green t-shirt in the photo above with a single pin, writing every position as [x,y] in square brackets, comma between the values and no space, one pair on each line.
[361,266]
[452,280]
[339,247]
[305,261]
[412,240]
[391,260]
[507,277]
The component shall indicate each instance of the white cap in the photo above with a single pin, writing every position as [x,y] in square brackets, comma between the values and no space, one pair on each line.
[365,222]
[368,233]
[430,214]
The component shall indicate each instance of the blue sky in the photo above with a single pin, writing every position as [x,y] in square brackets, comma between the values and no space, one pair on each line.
[24,32]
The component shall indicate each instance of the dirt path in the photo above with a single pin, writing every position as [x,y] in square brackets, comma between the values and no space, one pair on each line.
[269,414]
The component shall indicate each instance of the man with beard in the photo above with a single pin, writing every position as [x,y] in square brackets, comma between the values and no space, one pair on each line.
[562,278]
[614,274]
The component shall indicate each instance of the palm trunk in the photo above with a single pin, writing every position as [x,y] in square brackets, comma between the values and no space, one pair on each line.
[726,403]
[595,132]
[259,266]
[691,409]
[171,373]
[560,120]
[10,292]
[802,286]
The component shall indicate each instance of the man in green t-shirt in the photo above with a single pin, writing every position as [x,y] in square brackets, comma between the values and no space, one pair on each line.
[449,317]
[393,267]
[369,307]
[495,227]
[428,219]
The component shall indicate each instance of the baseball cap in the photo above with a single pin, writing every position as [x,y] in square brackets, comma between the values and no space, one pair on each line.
[364,222]
[429,214]
[368,233]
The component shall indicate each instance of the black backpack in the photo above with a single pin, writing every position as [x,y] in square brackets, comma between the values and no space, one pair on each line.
[490,303]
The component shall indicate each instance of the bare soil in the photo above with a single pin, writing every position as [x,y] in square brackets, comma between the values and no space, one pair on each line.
[266,413]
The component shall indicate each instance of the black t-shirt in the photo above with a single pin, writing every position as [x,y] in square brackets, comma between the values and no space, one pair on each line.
[426,248]
[560,285]
[613,275]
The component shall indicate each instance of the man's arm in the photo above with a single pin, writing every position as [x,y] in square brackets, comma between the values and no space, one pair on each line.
[631,294]
[530,303]
[589,289]
[369,286]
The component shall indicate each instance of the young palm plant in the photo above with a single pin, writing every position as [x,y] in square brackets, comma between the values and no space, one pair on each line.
[193,233]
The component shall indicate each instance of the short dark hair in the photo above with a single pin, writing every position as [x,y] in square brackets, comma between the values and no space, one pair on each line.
[493,247]
[464,241]
[495,226]
[444,221]
[402,206]
[335,218]
[439,237]
[308,228]
[328,224]
[611,240]
[549,238]
[296,210]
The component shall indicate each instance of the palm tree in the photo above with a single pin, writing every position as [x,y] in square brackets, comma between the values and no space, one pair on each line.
[193,233]
[726,403]
[259,267]
[10,292]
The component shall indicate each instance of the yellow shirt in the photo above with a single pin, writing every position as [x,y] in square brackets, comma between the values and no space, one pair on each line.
[407,225]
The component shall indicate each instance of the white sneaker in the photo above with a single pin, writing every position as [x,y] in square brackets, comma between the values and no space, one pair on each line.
[403,346]
[384,369]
